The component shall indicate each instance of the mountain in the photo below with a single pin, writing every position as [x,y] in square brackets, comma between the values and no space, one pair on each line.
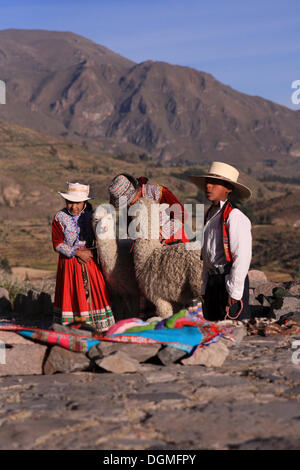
[35,166]
[66,85]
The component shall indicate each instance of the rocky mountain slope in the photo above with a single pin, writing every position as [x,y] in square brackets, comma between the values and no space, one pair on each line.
[34,166]
[66,85]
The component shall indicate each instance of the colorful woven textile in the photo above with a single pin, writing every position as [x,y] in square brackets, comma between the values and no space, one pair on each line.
[186,330]
[68,341]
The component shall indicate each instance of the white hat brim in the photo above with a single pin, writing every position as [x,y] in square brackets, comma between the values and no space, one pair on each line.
[241,189]
[74,198]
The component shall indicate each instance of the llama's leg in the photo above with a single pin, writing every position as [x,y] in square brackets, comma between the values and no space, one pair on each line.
[163,308]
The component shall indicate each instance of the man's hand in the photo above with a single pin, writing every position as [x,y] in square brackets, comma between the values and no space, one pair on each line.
[231,301]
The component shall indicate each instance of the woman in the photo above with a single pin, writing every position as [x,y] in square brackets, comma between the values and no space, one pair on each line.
[80,287]
[125,189]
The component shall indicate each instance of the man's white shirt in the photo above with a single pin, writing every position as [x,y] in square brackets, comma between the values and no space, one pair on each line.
[240,243]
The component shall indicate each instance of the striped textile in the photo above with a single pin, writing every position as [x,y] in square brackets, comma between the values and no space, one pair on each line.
[186,330]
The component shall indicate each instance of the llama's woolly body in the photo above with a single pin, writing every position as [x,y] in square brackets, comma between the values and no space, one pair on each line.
[166,273]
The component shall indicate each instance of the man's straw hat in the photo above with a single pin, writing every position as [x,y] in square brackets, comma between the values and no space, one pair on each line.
[223,171]
[76,192]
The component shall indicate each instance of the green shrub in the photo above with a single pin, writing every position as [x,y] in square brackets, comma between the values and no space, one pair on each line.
[4,265]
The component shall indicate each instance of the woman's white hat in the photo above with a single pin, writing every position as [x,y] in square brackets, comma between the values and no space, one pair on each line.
[76,192]
[225,172]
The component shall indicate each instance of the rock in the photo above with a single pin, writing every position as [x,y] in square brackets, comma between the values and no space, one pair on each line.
[67,329]
[95,353]
[289,304]
[4,293]
[62,360]
[20,303]
[252,298]
[294,288]
[11,193]
[139,352]
[266,288]
[20,356]
[33,304]
[262,299]
[45,304]
[119,363]
[238,333]
[27,304]
[296,317]
[256,277]
[5,305]
[11,338]
[210,356]
[168,355]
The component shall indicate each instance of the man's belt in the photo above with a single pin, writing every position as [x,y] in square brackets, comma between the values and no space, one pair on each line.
[222,269]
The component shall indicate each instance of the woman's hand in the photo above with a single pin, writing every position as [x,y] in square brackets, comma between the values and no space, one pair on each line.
[83,255]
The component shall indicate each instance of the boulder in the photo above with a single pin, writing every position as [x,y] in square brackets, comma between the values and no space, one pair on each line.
[213,355]
[256,277]
[252,299]
[11,193]
[45,304]
[5,305]
[4,293]
[139,352]
[33,304]
[289,304]
[20,356]
[11,338]
[263,300]
[95,353]
[266,288]
[294,288]
[238,333]
[20,303]
[118,362]
[168,355]
[74,331]
[64,361]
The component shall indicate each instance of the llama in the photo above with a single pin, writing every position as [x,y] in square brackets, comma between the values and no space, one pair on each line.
[117,264]
[165,274]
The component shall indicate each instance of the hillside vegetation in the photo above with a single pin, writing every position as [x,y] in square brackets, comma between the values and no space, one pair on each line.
[34,166]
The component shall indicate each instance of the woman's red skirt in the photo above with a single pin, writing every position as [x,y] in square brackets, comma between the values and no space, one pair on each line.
[74,299]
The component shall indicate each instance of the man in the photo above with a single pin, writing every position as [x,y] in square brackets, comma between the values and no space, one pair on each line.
[227,245]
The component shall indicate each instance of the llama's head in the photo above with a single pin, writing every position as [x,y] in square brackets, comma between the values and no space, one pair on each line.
[104,223]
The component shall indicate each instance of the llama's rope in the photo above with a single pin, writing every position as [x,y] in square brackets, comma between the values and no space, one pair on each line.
[237,315]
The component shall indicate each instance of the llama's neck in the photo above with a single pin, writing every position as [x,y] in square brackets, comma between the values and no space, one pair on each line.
[107,252]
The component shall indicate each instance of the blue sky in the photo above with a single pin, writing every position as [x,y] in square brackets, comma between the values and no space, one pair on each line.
[253,46]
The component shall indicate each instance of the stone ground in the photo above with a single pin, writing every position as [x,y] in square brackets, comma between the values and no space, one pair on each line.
[251,402]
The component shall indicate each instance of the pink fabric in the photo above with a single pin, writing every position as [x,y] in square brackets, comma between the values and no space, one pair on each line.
[123,325]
